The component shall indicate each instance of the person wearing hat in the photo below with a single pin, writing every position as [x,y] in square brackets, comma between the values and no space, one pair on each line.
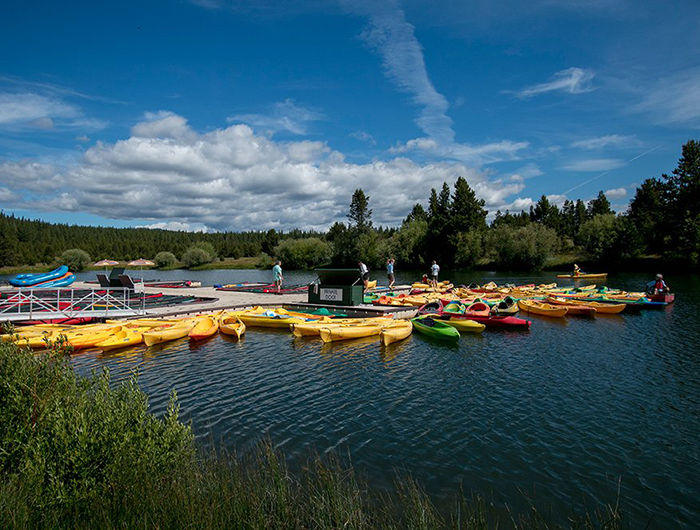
[660,286]
[657,286]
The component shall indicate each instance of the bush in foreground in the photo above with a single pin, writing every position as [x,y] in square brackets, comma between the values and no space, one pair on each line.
[83,453]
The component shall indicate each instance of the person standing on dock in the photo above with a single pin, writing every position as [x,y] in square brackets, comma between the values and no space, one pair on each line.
[364,273]
[277,276]
[390,272]
[434,271]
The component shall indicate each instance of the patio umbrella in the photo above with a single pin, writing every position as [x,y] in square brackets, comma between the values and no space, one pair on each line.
[106,263]
[141,263]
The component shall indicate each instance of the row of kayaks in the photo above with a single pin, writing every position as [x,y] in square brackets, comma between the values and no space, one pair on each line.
[114,334]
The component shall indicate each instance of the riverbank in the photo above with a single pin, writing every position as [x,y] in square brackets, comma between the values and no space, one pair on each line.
[71,464]
[559,263]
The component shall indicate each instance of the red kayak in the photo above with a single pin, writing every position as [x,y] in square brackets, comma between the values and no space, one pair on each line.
[667,298]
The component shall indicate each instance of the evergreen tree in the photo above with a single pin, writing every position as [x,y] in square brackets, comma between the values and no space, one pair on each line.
[466,212]
[649,212]
[546,214]
[418,213]
[360,216]
[599,206]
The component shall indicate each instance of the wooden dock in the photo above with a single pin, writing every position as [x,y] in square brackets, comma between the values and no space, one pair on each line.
[209,300]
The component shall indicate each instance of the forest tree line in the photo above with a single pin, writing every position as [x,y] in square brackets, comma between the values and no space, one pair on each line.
[663,219]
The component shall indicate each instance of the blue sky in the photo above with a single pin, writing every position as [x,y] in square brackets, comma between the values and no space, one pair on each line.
[236,115]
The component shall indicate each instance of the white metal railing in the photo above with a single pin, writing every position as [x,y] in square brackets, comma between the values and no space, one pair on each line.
[70,303]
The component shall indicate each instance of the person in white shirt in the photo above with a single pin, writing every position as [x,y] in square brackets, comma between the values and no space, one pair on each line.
[434,271]
[364,273]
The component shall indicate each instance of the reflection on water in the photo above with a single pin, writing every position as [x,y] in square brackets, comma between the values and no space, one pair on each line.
[562,410]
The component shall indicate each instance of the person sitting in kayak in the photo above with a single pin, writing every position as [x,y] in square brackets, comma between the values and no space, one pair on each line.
[658,286]
[577,270]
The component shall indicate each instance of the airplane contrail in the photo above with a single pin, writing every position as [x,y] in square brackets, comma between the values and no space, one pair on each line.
[606,172]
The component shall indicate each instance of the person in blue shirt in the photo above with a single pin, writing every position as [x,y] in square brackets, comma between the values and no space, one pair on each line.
[277,276]
[390,272]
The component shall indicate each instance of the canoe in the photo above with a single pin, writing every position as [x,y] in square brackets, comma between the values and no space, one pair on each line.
[122,339]
[540,308]
[231,325]
[331,334]
[435,328]
[572,307]
[463,324]
[592,276]
[168,332]
[206,327]
[395,332]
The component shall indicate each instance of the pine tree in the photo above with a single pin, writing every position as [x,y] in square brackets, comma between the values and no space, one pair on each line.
[599,206]
[360,216]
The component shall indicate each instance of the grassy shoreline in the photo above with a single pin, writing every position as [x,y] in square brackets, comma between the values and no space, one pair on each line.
[84,453]
[559,262]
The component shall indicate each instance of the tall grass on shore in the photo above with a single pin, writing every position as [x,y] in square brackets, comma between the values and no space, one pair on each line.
[79,452]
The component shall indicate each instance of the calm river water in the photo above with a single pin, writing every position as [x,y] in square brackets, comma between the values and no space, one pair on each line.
[562,412]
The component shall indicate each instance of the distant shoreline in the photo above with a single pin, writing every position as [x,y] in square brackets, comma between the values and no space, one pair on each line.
[558,263]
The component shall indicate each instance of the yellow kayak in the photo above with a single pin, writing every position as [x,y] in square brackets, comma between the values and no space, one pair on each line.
[204,328]
[313,329]
[231,325]
[395,332]
[273,320]
[168,332]
[463,324]
[87,338]
[39,340]
[122,339]
[606,309]
[540,308]
[594,276]
[348,332]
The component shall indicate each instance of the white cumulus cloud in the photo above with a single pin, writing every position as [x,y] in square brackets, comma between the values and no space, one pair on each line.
[616,193]
[234,179]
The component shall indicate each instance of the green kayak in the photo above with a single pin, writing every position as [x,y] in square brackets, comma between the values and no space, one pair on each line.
[434,328]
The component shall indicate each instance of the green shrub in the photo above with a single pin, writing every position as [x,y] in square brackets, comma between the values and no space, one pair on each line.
[303,253]
[195,256]
[208,248]
[525,248]
[71,440]
[468,248]
[76,259]
[610,238]
[165,259]
[264,261]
